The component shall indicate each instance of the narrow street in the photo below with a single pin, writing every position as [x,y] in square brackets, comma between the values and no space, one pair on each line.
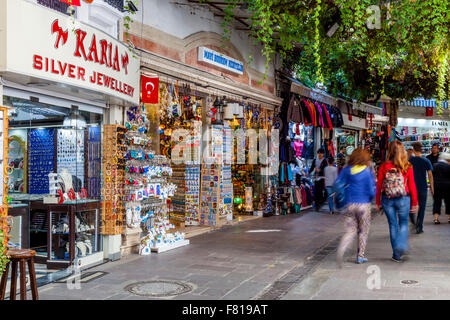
[284,257]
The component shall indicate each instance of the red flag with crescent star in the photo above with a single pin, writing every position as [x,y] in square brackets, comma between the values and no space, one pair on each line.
[76,3]
[150,89]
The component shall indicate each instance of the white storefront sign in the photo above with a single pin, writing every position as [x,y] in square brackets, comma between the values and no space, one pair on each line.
[220,60]
[38,42]
[423,123]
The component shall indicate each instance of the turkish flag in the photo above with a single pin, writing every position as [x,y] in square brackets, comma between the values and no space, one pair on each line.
[429,112]
[72,2]
[149,89]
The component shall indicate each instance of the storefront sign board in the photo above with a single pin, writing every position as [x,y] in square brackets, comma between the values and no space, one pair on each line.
[48,45]
[220,60]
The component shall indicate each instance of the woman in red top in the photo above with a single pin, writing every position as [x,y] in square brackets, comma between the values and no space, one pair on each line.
[399,199]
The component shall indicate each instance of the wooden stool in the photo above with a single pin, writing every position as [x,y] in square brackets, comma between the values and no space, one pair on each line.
[19,256]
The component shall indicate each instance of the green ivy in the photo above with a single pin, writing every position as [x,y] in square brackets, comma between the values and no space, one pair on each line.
[405,58]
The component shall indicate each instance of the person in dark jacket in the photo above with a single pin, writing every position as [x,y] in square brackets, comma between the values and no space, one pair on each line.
[434,155]
[441,174]
[318,166]
[422,168]
[359,180]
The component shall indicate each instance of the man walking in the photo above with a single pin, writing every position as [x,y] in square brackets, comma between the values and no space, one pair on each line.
[340,159]
[331,174]
[318,166]
[434,155]
[421,167]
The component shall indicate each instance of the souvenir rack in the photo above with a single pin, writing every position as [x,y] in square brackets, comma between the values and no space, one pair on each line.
[113,210]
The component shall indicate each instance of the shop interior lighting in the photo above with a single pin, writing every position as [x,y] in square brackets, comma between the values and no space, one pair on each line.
[75,119]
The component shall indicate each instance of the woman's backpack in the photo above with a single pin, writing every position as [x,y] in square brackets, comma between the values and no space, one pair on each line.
[394,184]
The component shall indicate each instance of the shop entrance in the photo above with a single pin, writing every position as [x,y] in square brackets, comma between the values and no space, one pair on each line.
[52,147]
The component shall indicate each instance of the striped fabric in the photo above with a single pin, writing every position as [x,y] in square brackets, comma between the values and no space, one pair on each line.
[419,102]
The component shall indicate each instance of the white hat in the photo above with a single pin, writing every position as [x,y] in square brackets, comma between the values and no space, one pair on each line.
[444,156]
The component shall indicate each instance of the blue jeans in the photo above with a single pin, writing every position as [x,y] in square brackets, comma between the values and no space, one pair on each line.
[330,199]
[397,213]
[421,214]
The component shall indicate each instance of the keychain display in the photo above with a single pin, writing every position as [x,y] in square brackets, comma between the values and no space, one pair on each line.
[145,185]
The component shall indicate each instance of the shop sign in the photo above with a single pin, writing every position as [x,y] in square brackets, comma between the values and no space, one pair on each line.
[48,45]
[423,123]
[149,89]
[220,60]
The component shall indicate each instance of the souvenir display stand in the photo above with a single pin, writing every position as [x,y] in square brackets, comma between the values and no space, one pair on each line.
[147,190]
[186,201]
[113,207]
[211,204]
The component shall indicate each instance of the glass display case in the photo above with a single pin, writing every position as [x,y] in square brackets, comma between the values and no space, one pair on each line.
[75,233]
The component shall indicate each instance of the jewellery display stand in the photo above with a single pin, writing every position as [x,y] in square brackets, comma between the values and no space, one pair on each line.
[185,202]
[73,235]
[113,210]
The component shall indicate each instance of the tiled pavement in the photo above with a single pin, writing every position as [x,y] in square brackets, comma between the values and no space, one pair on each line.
[428,263]
[296,263]
[227,264]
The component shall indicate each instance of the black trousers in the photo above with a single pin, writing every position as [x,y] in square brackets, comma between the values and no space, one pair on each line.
[441,193]
[319,193]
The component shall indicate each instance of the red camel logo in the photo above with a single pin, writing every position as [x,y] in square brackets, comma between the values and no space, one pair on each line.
[62,35]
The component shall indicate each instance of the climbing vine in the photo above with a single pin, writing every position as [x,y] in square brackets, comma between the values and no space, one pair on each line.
[397,48]
[3,256]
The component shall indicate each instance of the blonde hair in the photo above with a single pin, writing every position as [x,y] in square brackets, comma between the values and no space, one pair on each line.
[398,156]
[359,157]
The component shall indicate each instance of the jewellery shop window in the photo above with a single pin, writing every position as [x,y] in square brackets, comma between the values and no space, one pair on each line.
[55,155]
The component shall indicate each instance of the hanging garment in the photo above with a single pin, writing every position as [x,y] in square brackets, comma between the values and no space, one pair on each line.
[328,118]
[320,115]
[295,113]
[306,113]
[298,148]
[290,176]
[312,110]
[298,196]
[304,197]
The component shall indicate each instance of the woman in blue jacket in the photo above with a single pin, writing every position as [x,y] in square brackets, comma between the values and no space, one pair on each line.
[359,181]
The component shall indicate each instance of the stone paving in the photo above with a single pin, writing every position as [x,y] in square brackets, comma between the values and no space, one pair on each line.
[227,264]
[296,263]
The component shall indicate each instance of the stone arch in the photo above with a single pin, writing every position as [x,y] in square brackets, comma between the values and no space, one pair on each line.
[213,41]
[207,38]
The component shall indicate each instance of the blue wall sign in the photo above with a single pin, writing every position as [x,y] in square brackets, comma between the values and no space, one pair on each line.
[220,60]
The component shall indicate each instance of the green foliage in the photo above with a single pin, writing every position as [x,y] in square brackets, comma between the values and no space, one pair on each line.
[3,256]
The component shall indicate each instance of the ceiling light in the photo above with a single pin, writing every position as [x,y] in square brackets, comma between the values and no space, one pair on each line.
[74,120]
